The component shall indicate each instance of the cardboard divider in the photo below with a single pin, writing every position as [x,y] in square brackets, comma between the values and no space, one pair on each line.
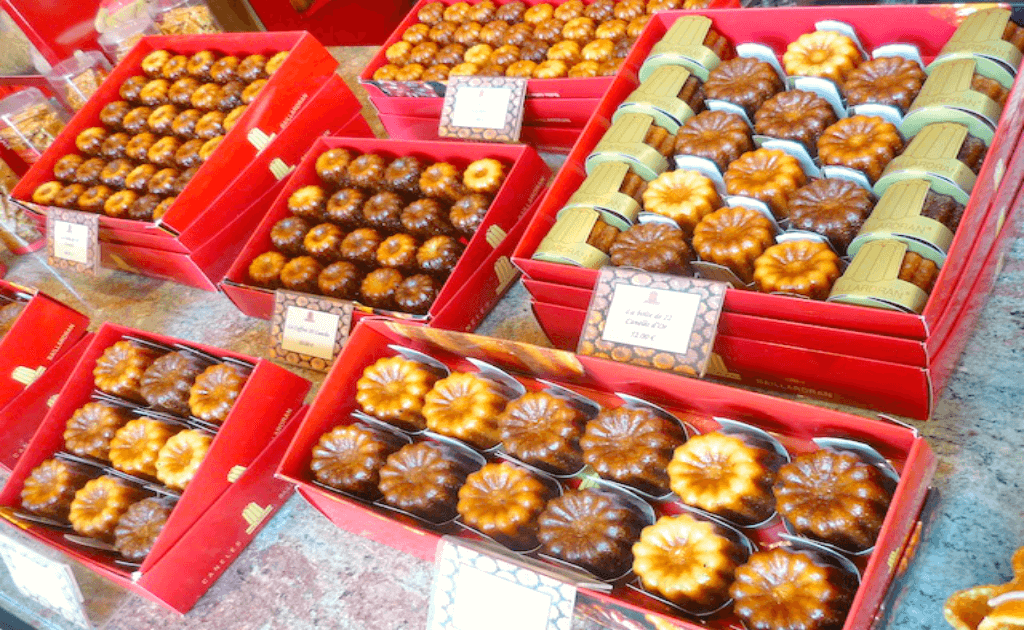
[794,422]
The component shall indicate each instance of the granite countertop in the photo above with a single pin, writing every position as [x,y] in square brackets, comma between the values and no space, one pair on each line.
[302,571]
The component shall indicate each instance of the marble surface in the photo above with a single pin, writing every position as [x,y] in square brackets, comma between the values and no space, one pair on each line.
[303,572]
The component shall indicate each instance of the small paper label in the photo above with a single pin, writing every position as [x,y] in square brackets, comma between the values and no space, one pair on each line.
[483,108]
[49,583]
[309,331]
[72,240]
[652,318]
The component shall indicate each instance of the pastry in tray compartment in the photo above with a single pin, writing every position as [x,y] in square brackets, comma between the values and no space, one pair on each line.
[136,121]
[393,389]
[139,527]
[209,125]
[175,68]
[863,143]
[88,173]
[206,97]
[360,246]
[153,63]
[233,94]
[384,212]
[9,314]
[367,171]
[402,175]
[425,218]
[119,204]
[225,69]
[115,145]
[443,181]
[99,504]
[252,67]
[990,88]
[187,154]
[323,242]
[656,247]
[714,135]
[214,392]
[64,169]
[155,92]
[332,165]
[398,251]
[163,182]
[424,479]
[618,438]
[544,431]
[94,198]
[804,267]
[113,113]
[89,141]
[796,115]
[439,255]
[161,209]
[892,81]
[119,369]
[465,406]
[416,293]
[683,196]
[308,203]
[591,529]
[144,207]
[265,269]
[184,124]
[834,208]
[687,561]
[345,207]
[161,120]
[826,54]
[734,237]
[288,235]
[68,196]
[181,91]
[745,82]
[46,193]
[51,486]
[138,147]
[165,384]
[467,214]
[180,458]
[199,64]
[379,286]
[919,271]
[341,280]
[135,446]
[724,475]
[451,54]
[768,175]
[436,72]
[349,458]
[783,588]
[132,88]
[162,151]
[276,62]
[504,502]
[484,176]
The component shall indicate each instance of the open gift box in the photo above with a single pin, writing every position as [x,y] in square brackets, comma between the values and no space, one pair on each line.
[854,331]
[218,512]
[483,271]
[303,91]
[697,402]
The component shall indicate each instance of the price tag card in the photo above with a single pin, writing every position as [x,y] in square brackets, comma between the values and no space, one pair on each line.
[653,320]
[309,330]
[483,108]
[46,582]
[73,240]
[475,589]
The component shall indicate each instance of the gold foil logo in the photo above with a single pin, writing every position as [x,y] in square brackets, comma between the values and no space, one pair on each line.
[235,473]
[122,265]
[495,236]
[259,139]
[717,367]
[280,169]
[506,272]
[254,515]
[51,401]
[26,376]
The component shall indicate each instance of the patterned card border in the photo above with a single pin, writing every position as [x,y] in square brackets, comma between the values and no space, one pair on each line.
[92,224]
[513,117]
[285,299]
[62,592]
[702,338]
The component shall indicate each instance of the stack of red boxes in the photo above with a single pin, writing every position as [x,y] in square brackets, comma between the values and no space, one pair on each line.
[885,360]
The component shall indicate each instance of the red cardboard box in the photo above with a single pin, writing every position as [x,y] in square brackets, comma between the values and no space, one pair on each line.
[221,509]
[791,421]
[482,273]
[305,81]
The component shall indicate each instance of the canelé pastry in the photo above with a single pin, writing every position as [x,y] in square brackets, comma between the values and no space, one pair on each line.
[745,82]
[796,115]
[308,203]
[443,34]
[618,438]
[165,384]
[398,53]
[175,68]
[236,93]
[153,63]
[88,174]
[919,271]
[683,196]
[578,30]
[782,589]
[163,182]
[94,198]
[834,208]
[155,92]
[416,293]
[206,97]
[323,242]
[416,34]
[468,34]
[431,13]
[345,207]
[119,204]
[163,150]
[403,175]
[714,135]
[184,125]
[349,458]
[138,147]
[384,211]
[504,502]
[139,527]
[893,81]
[863,143]
[209,147]
[288,235]
[233,117]
[424,479]
[252,68]
[734,237]
[114,146]
[656,247]
[833,497]
[225,69]
[544,431]
[398,251]
[629,9]
[484,176]
[187,154]
[687,561]
[724,475]
[826,54]
[99,504]
[367,170]
[805,268]
[68,196]
[612,30]
[340,279]
[180,92]
[538,14]
[436,72]
[439,255]
[161,208]
[378,288]
[360,246]
[89,141]
[424,218]
[64,169]
[274,63]
[144,207]
[493,33]
[51,486]
[443,181]
[113,113]
[162,119]
[584,69]
[136,121]
[990,88]
[768,175]
[180,457]
[635,28]
[132,88]
[135,446]
[534,50]
[467,214]
[214,392]
[464,69]
[393,390]
[450,55]
[46,193]
[119,369]
[465,406]
[184,178]
[331,166]
[199,64]
[511,12]
[211,124]
[600,10]
[592,529]
[265,269]
[9,314]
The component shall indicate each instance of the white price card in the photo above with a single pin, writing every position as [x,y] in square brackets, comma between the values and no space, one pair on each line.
[72,240]
[651,318]
[483,108]
[49,583]
[308,330]
[476,589]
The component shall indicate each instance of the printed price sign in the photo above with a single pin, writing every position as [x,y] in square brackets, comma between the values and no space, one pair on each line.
[307,330]
[653,320]
[50,584]
[73,240]
[483,108]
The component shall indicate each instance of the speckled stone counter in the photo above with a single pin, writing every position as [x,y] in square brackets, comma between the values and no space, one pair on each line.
[303,572]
